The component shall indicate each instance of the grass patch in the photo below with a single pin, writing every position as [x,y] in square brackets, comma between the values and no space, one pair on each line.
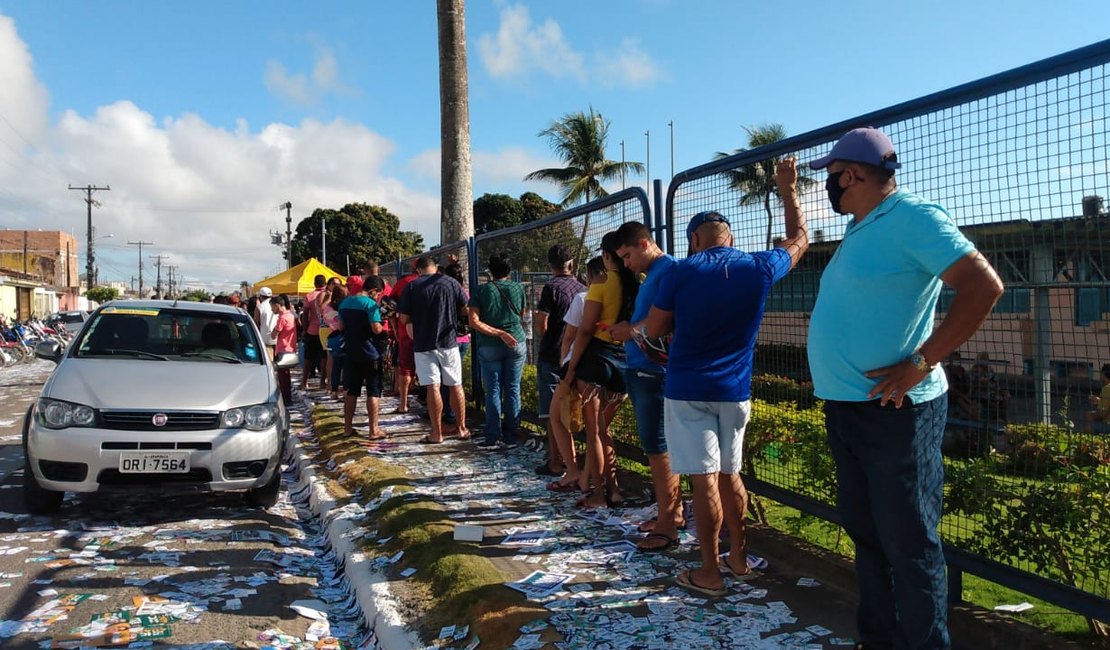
[454,582]
[978,591]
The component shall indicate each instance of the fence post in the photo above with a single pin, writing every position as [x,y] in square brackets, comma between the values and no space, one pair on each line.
[475,371]
[955,585]
[657,223]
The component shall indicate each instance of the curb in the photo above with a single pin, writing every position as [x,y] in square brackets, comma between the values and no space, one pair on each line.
[371,588]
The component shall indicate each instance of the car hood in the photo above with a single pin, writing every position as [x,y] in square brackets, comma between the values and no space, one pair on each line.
[161,385]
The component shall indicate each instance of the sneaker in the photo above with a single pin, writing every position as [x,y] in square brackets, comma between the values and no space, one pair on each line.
[487,445]
[510,445]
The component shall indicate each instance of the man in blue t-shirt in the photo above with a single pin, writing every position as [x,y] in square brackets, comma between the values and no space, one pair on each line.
[713,301]
[874,358]
[361,323]
[644,377]
[429,310]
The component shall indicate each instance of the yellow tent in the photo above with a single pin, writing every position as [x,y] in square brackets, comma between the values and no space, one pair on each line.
[297,280]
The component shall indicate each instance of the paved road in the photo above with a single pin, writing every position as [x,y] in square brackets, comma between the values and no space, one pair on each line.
[228,570]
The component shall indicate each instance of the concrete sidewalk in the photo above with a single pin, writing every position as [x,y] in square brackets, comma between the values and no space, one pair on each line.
[600,592]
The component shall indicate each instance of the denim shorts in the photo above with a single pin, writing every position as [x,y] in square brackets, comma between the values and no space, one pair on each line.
[645,389]
[547,378]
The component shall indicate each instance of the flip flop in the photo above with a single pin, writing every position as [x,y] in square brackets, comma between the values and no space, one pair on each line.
[379,435]
[556,486]
[730,572]
[427,440]
[671,543]
[464,434]
[686,580]
[650,524]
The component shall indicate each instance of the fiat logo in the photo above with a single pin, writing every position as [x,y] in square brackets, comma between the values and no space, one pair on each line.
[160,419]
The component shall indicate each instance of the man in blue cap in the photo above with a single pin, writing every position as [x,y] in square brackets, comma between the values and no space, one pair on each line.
[713,300]
[874,358]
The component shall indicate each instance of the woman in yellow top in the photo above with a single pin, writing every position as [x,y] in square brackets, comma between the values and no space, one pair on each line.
[597,365]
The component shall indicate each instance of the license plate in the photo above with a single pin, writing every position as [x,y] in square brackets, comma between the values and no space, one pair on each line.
[153,462]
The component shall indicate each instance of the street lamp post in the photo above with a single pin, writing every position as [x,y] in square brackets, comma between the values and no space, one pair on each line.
[96,269]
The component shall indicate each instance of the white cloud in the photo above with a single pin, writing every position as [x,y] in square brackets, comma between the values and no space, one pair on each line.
[495,172]
[291,87]
[24,101]
[521,47]
[302,89]
[628,66]
[207,196]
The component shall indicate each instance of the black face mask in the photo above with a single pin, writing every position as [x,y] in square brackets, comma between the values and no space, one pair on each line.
[835,191]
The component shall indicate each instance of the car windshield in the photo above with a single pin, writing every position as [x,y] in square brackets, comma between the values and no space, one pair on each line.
[170,334]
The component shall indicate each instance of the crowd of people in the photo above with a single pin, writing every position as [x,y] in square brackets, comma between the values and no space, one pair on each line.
[676,338]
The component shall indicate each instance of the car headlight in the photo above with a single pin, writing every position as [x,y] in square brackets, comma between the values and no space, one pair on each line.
[255,418]
[57,414]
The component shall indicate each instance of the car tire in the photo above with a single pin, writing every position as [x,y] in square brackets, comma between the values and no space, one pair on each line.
[267,495]
[38,500]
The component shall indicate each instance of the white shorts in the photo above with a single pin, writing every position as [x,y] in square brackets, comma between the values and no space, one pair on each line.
[439,367]
[705,437]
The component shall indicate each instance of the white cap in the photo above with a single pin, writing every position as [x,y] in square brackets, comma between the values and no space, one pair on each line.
[265,291]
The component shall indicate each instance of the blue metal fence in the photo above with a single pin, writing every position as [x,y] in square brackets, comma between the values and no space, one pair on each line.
[1020,160]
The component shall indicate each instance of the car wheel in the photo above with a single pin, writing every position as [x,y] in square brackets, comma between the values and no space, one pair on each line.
[267,495]
[38,500]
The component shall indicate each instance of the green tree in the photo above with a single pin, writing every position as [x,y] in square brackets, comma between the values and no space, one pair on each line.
[357,232]
[578,139]
[196,295]
[536,207]
[526,251]
[756,180]
[493,212]
[102,294]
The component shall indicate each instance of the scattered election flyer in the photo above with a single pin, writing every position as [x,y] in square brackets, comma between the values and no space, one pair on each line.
[540,584]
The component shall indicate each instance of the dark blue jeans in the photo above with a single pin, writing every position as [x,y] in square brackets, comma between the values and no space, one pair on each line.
[890,491]
[645,390]
[501,370]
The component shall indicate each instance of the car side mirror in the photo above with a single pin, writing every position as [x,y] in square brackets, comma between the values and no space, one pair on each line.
[49,350]
[286,360]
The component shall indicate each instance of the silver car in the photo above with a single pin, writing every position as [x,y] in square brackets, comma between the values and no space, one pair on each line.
[157,395]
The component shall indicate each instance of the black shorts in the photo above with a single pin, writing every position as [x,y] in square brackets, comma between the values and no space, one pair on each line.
[359,372]
[313,350]
[603,364]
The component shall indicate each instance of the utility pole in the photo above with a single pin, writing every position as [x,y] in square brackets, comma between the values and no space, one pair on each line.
[140,244]
[288,234]
[173,280]
[90,274]
[158,265]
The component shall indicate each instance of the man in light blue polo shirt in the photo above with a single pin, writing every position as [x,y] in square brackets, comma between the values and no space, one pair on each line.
[713,300]
[873,355]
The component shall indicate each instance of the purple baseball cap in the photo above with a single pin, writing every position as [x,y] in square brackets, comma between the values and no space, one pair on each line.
[866,145]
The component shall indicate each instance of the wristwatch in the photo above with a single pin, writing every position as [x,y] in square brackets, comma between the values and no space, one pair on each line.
[919,362]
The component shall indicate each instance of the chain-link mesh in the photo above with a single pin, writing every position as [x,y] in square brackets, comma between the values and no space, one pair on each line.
[580,230]
[1023,171]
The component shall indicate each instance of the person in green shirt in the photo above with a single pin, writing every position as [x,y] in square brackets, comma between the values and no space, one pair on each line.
[497,310]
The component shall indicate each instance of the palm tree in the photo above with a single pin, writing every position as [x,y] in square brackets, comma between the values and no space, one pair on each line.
[757,180]
[579,141]
[457,220]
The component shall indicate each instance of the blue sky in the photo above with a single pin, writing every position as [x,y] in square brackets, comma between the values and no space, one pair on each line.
[204,116]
